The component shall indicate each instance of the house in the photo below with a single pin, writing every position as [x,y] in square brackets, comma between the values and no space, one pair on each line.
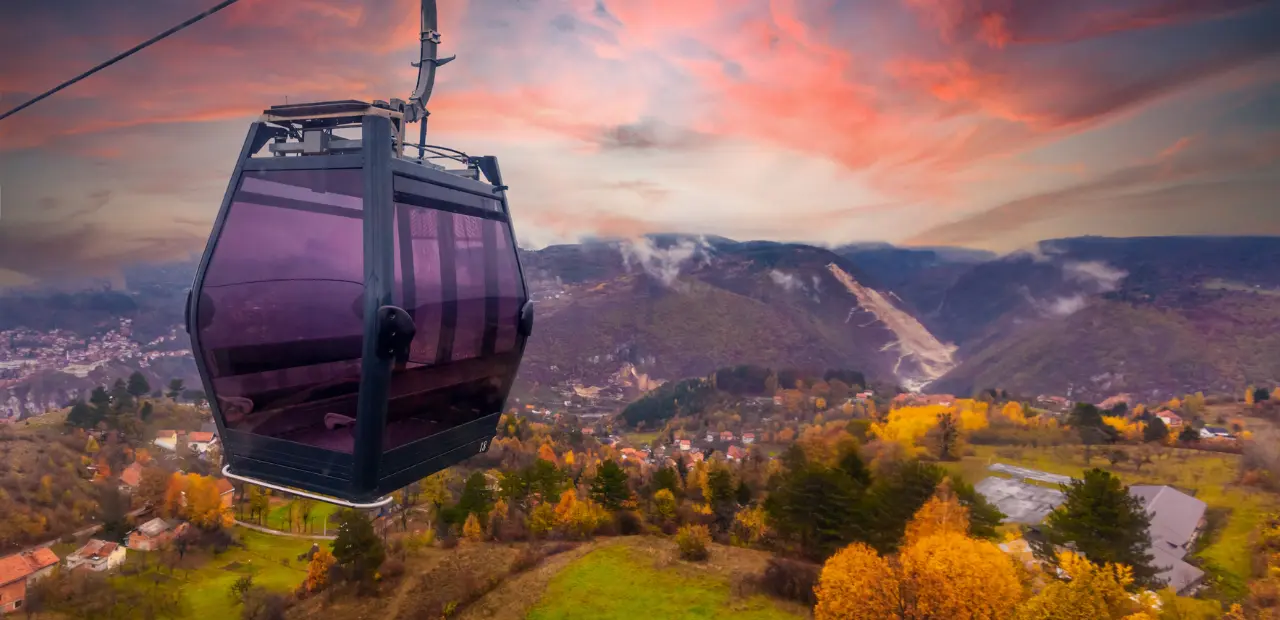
[1176,522]
[587,430]
[200,442]
[167,440]
[711,436]
[726,436]
[748,439]
[1170,418]
[736,454]
[226,491]
[685,445]
[19,570]
[155,534]
[131,477]
[777,400]
[97,555]
[1209,432]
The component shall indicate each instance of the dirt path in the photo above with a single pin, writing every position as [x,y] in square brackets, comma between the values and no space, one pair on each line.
[516,596]
[408,586]
[267,530]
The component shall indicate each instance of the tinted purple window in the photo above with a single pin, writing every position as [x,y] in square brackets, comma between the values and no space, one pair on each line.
[469,257]
[279,320]
[459,265]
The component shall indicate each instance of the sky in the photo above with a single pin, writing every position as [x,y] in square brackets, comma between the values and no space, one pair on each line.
[980,123]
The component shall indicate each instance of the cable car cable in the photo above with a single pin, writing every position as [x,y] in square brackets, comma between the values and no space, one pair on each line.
[135,49]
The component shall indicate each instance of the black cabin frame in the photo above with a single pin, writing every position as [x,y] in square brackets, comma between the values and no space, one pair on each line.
[369,473]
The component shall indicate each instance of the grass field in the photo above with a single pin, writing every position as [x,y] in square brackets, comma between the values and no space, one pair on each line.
[618,582]
[278,518]
[206,587]
[640,439]
[1210,476]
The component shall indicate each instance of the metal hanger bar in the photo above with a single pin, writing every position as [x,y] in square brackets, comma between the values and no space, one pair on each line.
[226,471]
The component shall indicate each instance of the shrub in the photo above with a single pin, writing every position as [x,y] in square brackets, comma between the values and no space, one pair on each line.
[448,542]
[528,558]
[694,542]
[628,523]
[791,580]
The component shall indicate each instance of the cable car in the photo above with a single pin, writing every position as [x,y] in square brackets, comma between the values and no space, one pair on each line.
[359,313]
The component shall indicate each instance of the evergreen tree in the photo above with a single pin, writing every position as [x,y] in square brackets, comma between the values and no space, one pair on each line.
[138,386]
[146,411]
[1261,395]
[895,497]
[984,517]
[476,498]
[816,508]
[665,478]
[1188,434]
[1084,415]
[609,487]
[175,389]
[357,548]
[1156,431]
[82,415]
[742,494]
[121,399]
[101,401]
[948,435]
[1104,522]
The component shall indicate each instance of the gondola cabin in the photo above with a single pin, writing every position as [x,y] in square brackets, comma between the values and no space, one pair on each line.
[359,315]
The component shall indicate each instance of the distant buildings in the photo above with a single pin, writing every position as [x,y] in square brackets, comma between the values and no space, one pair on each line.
[1170,418]
[748,439]
[167,440]
[1211,432]
[131,477]
[155,534]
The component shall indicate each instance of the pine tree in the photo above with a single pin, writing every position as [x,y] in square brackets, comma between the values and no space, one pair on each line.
[138,386]
[1156,431]
[1105,523]
[82,415]
[175,389]
[357,548]
[609,487]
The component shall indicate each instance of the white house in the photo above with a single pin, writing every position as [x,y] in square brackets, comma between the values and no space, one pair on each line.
[748,438]
[97,555]
[200,442]
[167,440]
[1210,432]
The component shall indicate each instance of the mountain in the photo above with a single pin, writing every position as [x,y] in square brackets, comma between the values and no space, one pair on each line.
[1086,317]
[676,306]
[1096,316]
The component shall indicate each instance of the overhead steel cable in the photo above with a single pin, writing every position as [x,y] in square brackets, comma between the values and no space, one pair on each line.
[135,49]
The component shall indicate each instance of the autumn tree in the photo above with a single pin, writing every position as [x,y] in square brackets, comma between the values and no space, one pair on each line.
[942,575]
[472,530]
[1091,591]
[152,487]
[1105,523]
[476,498]
[204,507]
[664,505]
[318,570]
[948,435]
[941,514]
[172,503]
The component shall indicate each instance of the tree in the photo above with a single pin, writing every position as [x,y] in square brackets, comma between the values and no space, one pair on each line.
[82,415]
[665,478]
[547,453]
[472,529]
[609,487]
[1093,591]
[817,508]
[476,498]
[857,584]
[146,411]
[1261,395]
[942,514]
[948,434]
[664,505]
[357,548]
[176,386]
[943,575]
[1156,431]
[318,570]
[138,386]
[1104,522]
[101,401]
[151,489]
[1188,434]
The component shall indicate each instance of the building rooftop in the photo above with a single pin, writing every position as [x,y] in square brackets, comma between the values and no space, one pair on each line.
[1175,517]
[1021,502]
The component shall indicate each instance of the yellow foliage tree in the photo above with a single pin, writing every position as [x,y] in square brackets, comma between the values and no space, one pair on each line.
[318,570]
[750,524]
[204,507]
[786,436]
[172,506]
[1130,430]
[973,414]
[542,519]
[664,504]
[1012,411]
[942,514]
[950,575]
[1248,395]
[906,426]
[847,408]
[857,584]
[1093,592]
[568,458]
[472,530]
[142,456]
[547,453]
[938,574]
